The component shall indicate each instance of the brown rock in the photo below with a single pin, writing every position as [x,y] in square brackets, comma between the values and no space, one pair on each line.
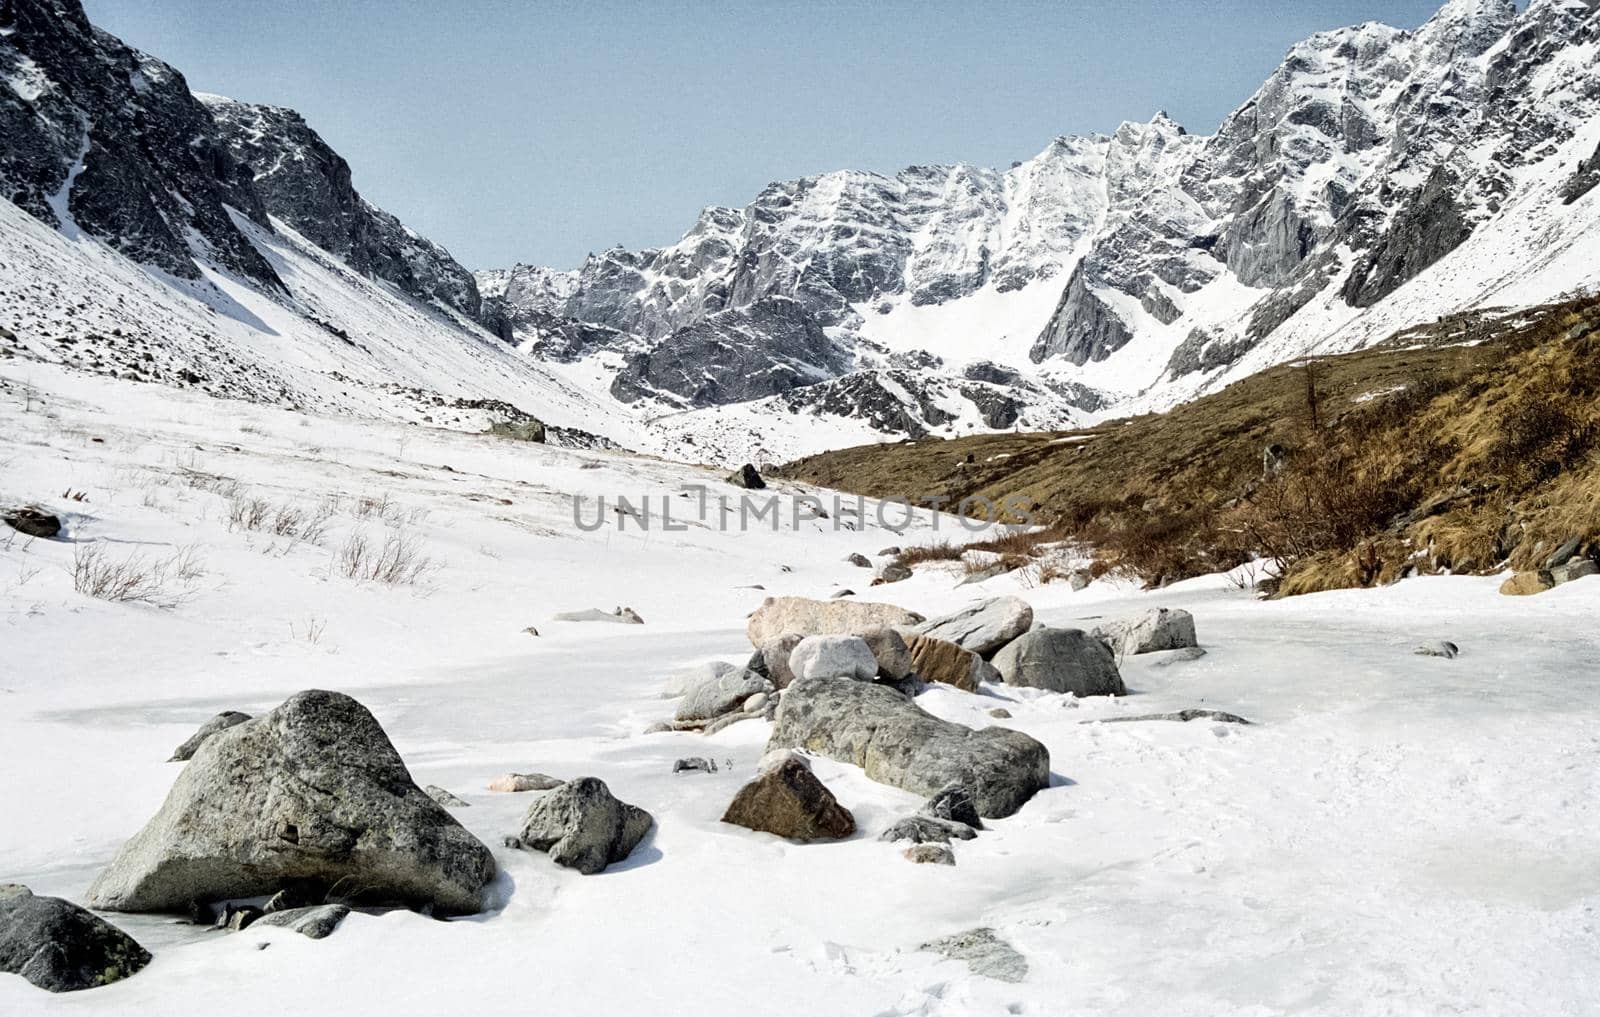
[939,660]
[930,854]
[1525,584]
[788,800]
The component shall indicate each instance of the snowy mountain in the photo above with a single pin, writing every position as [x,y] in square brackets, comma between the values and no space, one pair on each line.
[1377,178]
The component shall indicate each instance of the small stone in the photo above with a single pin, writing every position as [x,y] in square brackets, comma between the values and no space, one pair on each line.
[930,854]
[893,572]
[843,593]
[860,561]
[694,764]
[317,922]
[927,830]
[954,803]
[747,478]
[1438,648]
[530,630]
[1000,713]
[515,782]
[238,917]
[890,551]
[445,798]
[1564,553]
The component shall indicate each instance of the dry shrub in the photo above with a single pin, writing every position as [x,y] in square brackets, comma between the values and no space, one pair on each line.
[398,561]
[942,550]
[163,582]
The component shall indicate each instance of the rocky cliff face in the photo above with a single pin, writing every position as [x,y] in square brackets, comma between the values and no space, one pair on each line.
[102,138]
[98,137]
[306,184]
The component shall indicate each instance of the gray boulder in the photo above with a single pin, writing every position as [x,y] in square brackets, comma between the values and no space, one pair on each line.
[778,616]
[889,650]
[1060,660]
[312,792]
[898,743]
[680,684]
[787,799]
[984,627]
[771,659]
[1182,656]
[221,722]
[61,947]
[748,478]
[720,695]
[1159,629]
[860,561]
[892,572]
[583,826]
[313,922]
[985,954]
[833,657]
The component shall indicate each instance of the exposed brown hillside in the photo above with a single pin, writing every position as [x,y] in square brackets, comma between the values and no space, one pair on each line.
[1465,444]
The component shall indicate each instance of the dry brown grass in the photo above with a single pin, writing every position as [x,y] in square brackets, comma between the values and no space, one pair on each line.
[1416,455]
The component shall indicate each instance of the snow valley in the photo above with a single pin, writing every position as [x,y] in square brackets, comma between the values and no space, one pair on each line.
[1154,578]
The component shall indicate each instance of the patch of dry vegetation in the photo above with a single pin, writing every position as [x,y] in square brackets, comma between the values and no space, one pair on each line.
[1420,454]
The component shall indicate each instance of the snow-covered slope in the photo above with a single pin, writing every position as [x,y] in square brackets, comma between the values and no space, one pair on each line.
[1393,834]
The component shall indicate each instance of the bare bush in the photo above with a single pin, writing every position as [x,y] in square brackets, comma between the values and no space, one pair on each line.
[383,509]
[137,578]
[247,512]
[398,561]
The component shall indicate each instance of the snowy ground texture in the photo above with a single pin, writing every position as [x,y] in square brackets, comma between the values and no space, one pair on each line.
[1395,835]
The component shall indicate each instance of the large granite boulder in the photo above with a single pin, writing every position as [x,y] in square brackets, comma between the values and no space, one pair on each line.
[787,799]
[779,616]
[312,792]
[833,657]
[984,627]
[939,660]
[59,946]
[1155,630]
[898,743]
[1060,660]
[221,722]
[583,826]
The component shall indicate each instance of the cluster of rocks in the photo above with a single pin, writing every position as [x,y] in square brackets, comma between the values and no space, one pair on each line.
[1563,566]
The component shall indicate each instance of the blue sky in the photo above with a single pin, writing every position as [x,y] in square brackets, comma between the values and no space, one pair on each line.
[539,132]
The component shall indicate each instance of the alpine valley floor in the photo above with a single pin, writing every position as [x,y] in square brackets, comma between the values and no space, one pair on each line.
[1395,834]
